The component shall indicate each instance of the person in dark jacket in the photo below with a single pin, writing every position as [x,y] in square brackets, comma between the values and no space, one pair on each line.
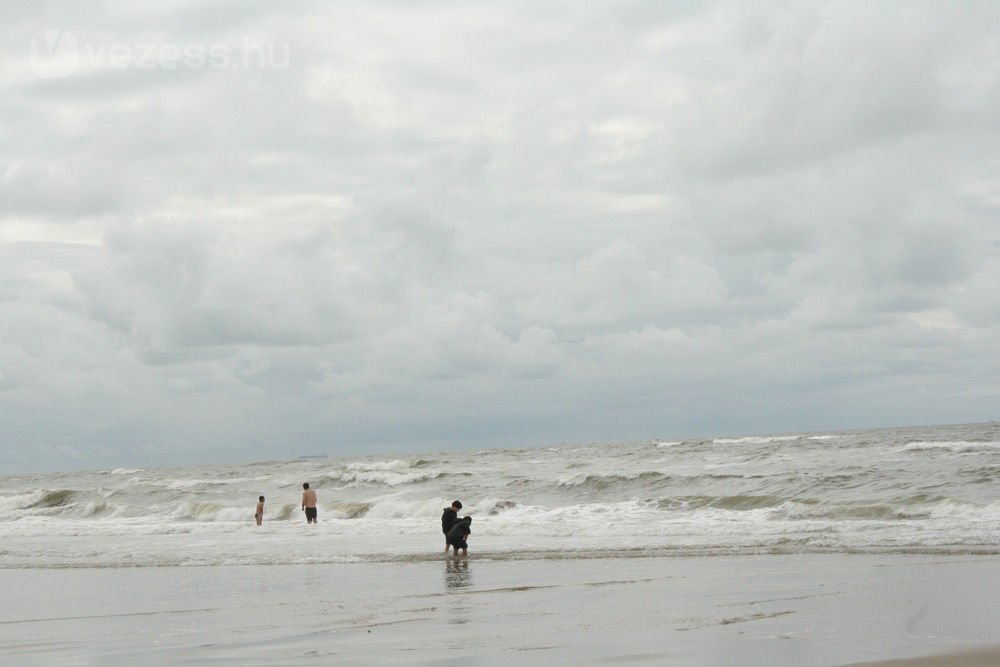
[459,533]
[448,519]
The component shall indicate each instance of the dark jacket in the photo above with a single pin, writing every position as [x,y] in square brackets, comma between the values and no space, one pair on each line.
[448,519]
[458,532]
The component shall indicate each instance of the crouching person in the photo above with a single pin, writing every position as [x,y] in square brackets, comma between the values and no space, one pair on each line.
[459,534]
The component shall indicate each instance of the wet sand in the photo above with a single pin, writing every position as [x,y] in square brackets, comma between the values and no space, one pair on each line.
[778,610]
[989,657]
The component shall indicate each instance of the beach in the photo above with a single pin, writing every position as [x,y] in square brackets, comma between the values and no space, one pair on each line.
[684,314]
[821,549]
[794,609]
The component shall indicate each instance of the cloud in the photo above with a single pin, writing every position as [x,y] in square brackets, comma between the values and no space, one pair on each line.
[445,225]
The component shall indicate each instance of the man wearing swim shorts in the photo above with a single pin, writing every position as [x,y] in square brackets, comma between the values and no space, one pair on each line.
[309,503]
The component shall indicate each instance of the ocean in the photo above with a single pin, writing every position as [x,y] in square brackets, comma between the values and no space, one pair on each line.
[915,490]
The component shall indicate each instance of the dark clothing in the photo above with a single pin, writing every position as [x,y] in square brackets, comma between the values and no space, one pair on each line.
[456,536]
[310,513]
[448,519]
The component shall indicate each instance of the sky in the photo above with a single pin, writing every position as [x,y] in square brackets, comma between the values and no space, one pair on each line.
[235,231]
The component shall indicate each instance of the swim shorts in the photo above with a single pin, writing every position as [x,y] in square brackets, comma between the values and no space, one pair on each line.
[311,513]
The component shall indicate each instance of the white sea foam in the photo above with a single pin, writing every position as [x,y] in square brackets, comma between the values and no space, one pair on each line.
[756,440]
[399,508]
[573,479]
[958,447]
[97,508]
[396,465]
[385,477]
[18,501]
[388,473]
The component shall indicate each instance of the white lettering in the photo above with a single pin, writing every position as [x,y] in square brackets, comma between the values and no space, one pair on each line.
[145,59]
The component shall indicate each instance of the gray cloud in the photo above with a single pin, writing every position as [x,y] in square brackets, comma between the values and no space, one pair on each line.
[394,227]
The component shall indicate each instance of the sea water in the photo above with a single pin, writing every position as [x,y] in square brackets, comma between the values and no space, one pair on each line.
[901,490]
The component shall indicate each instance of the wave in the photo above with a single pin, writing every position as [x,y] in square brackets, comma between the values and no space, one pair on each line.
[48,499]
[349,510]
[957,447]
[384,473]
[282,513]
[915,507]
[427,509]
[194,511]
[187,484]
[983,475]
[214,512]
[853,512]
[756,440]
[376,477]
[501,506]
[395,465]
[597,482]
[735,503]
[96,509]
[953,509]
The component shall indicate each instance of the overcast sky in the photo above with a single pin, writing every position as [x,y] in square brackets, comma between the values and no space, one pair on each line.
[239,230]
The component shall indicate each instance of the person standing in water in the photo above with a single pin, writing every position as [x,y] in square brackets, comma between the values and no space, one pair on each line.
[260,511]
[448,519]
[309,503]
[458,535]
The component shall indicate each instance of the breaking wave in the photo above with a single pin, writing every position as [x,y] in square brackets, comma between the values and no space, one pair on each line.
[383,473]
[956,447]
[735,503]
[756,440]
[46,499]
[603,482]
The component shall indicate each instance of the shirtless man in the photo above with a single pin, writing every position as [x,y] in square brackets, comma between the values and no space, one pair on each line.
[309,503]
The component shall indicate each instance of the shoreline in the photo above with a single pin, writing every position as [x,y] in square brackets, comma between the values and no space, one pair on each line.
[330,545]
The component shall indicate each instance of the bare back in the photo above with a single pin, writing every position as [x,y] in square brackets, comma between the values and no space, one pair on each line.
[309,498]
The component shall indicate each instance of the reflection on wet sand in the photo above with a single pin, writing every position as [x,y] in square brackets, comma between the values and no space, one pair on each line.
[457,574]
[456,578]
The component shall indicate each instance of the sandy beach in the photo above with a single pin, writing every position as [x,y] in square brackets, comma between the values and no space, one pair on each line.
[774,609]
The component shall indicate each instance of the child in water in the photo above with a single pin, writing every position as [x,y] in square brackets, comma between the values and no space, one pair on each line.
[458,535]
[260,511]
[448,519]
